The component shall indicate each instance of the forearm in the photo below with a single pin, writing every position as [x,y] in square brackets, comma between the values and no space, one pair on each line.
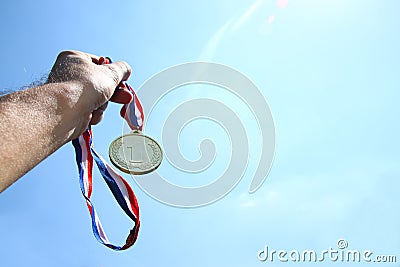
[33,124]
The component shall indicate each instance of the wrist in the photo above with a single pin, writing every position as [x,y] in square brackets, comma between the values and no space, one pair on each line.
[73,110]
[66,107]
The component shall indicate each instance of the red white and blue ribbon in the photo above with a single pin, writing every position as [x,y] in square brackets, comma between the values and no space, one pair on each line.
[123,193]
[119,187]
[133,112]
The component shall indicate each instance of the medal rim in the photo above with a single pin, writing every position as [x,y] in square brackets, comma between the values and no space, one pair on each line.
[128,171]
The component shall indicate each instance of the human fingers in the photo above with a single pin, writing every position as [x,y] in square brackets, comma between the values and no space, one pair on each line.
[121,71]
[98,114]
[121,96]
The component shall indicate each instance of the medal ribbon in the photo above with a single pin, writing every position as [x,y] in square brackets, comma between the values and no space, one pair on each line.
[121,190]
[133,112]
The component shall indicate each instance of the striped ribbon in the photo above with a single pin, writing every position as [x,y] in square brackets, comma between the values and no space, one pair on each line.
[123,193]
[133,112]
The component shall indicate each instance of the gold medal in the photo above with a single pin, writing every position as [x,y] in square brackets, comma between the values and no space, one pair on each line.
[135,153]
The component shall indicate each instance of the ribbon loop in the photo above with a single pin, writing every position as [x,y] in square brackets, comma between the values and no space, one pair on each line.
[119,187]
[121,190]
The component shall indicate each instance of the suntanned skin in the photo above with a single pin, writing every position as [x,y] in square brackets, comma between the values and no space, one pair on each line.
[36,122]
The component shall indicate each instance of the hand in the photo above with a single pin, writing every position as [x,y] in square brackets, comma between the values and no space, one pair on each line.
[92,85]
[44,118]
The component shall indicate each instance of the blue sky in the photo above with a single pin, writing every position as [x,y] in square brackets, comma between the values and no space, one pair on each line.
[329,71]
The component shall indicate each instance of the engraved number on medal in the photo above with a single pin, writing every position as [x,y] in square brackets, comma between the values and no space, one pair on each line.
[132,158]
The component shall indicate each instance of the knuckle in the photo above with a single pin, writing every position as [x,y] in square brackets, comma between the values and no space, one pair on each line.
[113,73]
[66,53]
[125,70]
[127,67]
